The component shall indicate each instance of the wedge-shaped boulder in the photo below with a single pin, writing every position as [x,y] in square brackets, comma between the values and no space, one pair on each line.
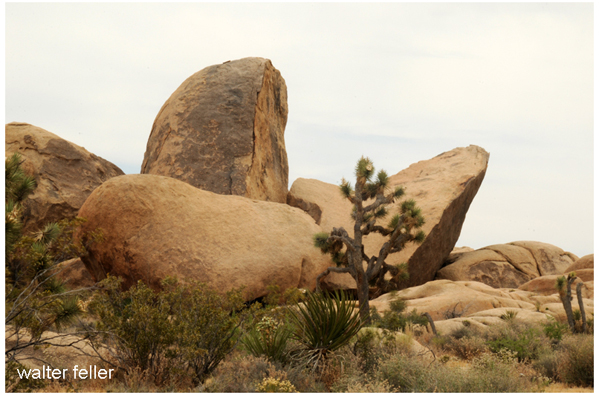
[443,188]
[223,130]
[157,226]
[65,173]
[508,265]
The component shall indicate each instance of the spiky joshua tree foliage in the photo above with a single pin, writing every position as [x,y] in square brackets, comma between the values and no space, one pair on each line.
[370,197]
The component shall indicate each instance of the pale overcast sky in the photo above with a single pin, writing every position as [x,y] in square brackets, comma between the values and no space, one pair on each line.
[398,82]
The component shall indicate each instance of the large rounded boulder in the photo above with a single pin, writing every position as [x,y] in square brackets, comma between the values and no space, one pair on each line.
[508,265]
[156,226]
[65,173]
[223,130]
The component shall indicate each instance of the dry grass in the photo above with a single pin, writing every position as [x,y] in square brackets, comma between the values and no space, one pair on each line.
[564,388]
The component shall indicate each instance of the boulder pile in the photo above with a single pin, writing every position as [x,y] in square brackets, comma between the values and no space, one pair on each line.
[212,205]
[450,302]
[507,265]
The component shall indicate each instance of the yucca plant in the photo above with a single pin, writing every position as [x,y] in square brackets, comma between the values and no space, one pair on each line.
[324,324]
[268,339]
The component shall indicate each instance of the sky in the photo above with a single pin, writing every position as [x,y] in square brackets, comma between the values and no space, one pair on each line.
[397,82]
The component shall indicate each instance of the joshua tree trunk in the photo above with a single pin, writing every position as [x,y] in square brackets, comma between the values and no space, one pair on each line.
[566,297]
[583,316]
[430,320]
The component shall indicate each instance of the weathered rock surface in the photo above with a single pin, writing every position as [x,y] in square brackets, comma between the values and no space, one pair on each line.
[74,274]
[444,299]
[222,131]
[63,352]
[157,226]
[508,265]
[443,188]
[459,300]
[586,262]
[65,173]
[483,319]
[546,285]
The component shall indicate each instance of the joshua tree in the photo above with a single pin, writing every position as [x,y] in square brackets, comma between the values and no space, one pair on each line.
[370,204]
[564,287]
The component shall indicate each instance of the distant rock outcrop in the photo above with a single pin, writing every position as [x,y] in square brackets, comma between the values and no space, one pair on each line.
[447,300]
[65,173]
[508,265]
[157,226]
[443,188]
[586,262]
[222,131]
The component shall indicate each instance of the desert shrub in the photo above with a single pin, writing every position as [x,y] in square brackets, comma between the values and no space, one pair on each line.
[491,373]
[466,330]
[272,384]
[575,364]
[371,345]
[555,330]
[365,348]
[527,341]
[547,364]
[323,324]
[243,373]
[238,373]
[133,324]
[467,347]
[396,318]
[488,373]
[180,330]
[406,374]
[14,383]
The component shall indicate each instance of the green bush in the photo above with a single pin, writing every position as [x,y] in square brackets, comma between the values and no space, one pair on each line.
[181,330]
[371,345]
[555,330]
[576,364]
[525,340]
[396,319]
[406,374]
